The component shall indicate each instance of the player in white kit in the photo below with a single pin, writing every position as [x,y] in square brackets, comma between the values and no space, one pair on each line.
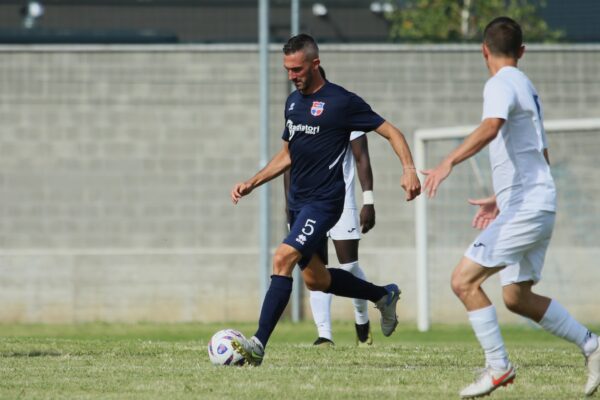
[345,236]
[517,221]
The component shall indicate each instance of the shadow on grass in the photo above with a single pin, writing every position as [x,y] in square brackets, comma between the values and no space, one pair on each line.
[31,353]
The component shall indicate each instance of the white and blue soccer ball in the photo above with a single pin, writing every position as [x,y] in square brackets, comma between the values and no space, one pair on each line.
[220,349]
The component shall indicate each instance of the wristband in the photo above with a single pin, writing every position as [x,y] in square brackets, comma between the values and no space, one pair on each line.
[368,197]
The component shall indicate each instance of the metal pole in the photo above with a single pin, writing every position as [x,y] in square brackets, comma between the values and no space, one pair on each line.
[297,285]
[265,225]
[421,244]
[295,18]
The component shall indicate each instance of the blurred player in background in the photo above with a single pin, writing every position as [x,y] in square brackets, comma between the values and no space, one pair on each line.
[517,221]
[345,236]
[319,118]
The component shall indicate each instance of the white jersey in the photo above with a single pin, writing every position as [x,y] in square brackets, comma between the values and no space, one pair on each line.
[520,173]
[348,168]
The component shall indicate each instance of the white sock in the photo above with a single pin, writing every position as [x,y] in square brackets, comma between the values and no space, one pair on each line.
[320,304]
[361,307]
[559,322]
[485,325]
[591,343]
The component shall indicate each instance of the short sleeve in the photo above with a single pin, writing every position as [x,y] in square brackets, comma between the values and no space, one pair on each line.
[360,115]
[285,135]
[498,99]
[356,135]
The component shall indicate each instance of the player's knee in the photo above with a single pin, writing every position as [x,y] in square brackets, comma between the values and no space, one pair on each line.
[315,285]
[316,281]
[310,285]
[282,264]
[461,288]
[513,302]
[456,285]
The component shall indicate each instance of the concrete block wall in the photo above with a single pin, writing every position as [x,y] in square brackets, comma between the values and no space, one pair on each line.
[116,165]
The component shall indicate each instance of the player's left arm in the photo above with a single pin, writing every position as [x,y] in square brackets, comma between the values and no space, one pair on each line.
[360,151]
[409,181]
[547,156]
[477,140]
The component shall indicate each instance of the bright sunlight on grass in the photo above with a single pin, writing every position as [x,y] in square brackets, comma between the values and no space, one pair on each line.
[156,361]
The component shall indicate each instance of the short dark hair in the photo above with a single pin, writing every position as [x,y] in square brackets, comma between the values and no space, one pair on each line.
[302,42]
[503,36]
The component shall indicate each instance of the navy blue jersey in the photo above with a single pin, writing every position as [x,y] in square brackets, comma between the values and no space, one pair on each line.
[317,127]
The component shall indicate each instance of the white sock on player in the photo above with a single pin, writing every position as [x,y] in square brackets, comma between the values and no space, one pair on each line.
[361,310]
[320,304]
[559,322]
[485,325]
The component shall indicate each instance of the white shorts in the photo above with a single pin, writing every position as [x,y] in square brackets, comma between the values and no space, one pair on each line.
[517,240]
[348,227]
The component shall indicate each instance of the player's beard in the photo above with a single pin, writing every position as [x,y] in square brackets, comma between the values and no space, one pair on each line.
[303,85]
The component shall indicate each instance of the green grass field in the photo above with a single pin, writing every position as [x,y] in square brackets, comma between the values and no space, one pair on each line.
[155,361]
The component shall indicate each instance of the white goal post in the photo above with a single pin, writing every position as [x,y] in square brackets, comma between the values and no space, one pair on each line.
[421,137]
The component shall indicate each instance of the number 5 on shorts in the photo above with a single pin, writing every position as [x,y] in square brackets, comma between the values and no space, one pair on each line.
[308,227]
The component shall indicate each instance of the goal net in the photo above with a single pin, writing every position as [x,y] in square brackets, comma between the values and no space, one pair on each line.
[443,224]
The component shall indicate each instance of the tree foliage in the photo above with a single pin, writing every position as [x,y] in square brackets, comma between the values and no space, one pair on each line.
[435,21]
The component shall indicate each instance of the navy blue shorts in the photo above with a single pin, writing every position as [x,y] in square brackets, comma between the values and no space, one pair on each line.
[308,231]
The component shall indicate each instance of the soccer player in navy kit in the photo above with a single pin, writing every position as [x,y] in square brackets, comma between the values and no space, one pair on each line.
[345,236]
[319,117]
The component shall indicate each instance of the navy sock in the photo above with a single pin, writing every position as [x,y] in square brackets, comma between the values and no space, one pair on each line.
[274,303]
[344,284]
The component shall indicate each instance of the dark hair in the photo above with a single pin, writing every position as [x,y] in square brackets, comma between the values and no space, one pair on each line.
[322,71]
[503,36]
[302,42]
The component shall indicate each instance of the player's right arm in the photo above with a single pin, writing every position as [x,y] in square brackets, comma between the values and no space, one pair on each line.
[477,140]
[499,99]
[286,188]
[278,164]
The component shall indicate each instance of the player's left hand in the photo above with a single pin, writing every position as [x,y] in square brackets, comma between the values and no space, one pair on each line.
[488,211]
[411,184]
[435,177]
[239,190]
[367,217]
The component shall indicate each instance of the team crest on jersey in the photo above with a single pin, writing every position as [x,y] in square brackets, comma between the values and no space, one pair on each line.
[317,108]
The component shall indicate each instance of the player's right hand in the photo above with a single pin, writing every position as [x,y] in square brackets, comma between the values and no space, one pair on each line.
[435,177]
[240,190]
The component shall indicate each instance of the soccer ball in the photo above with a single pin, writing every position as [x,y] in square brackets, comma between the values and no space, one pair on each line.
[220,350]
